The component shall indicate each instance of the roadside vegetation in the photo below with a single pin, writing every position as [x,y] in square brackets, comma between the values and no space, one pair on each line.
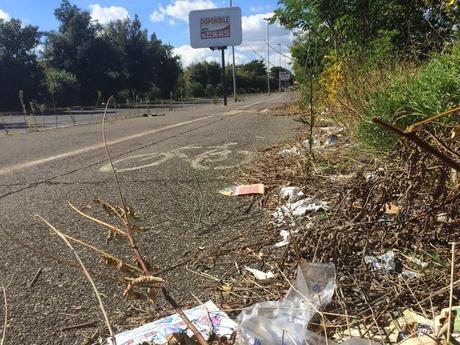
[395,60]
[82,63]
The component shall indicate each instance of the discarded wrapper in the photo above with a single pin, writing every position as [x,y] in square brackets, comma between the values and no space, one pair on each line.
[288,152]
[300,208]
[259,274]
[249,189]
[285,235]
[385,262]
[291,194]
[207,318]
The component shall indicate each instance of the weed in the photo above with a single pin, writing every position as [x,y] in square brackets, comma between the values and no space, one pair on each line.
[433,89]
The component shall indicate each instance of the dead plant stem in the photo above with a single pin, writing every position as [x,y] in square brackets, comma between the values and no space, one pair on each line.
[5,323]
[133,245]
[452,269]
[111,227]
[88,276]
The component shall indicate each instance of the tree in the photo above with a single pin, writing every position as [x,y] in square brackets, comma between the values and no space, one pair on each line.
[19,69]
[60,84]
[146,67]
[204,79]
[420,25]
[78,48]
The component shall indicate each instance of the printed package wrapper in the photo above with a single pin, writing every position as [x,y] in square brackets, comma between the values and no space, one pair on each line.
[207,318]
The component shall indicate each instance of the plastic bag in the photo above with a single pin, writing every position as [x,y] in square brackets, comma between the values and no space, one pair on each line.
[285,322]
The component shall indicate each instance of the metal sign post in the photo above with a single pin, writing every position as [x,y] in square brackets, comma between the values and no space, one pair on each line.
[224,76]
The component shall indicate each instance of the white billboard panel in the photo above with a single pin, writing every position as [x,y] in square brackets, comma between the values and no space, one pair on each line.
[284,76]
[216,27]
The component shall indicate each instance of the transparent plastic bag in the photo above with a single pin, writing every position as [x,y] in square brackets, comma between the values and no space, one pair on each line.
[285,322]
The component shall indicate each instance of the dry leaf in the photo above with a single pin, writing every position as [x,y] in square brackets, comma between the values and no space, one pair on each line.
[392,208]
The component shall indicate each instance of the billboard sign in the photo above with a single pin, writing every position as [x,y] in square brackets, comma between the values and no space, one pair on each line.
[285,76]
[218,27]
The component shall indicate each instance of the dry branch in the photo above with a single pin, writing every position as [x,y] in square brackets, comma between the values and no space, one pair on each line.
[5,323]
[96,292]
[133,245]
[109,226]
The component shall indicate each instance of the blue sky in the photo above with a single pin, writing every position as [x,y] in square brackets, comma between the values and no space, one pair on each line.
[169,20]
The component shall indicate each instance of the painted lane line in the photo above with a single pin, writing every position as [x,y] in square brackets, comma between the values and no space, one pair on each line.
[25,165]
[90,148]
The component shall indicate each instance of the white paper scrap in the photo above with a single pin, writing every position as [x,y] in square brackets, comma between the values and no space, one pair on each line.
[259,274]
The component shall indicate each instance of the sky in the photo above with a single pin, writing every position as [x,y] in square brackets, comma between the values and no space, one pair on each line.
[169,20]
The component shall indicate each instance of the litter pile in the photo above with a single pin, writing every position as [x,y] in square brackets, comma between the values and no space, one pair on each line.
[378,235]
[286,321]
[387,225]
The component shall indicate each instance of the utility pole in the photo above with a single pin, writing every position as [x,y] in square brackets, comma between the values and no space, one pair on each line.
[235,98]
[268,55]
[279,71]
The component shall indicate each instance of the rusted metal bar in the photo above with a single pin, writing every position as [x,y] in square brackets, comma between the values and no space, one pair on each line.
[419,142]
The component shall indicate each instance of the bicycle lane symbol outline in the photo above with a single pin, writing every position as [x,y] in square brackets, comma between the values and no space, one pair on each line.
[201,161]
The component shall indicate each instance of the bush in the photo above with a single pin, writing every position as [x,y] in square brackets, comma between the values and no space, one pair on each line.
[433,89]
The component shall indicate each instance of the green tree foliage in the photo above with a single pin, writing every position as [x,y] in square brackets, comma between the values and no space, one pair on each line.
[252,77]
[19,69]
[61,85]
[78,49]
[204,79]
[419,25]
[83,61]
[144,64]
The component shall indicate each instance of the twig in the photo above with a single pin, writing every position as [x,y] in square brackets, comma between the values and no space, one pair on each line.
[111,227]
[5,324]
[34,280]
[96,292]
[199,337]
[80,325]
[103,253]
[452,269]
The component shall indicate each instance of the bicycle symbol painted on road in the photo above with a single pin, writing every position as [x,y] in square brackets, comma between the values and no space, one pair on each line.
[215,157]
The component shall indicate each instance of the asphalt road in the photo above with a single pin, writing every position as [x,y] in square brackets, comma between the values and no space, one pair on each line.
[170,168]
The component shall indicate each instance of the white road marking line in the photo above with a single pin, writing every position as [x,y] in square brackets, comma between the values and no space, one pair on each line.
[29,164]
[25,165]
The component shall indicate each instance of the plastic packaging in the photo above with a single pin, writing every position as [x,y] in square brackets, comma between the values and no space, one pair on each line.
[285,321]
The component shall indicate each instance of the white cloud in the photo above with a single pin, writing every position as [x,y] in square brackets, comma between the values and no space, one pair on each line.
[4,15]
[190,55]
[157,16]
[179,9]
[105,15]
